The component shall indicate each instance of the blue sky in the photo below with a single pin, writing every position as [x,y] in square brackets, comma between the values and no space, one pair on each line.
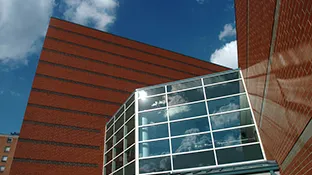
[204,29]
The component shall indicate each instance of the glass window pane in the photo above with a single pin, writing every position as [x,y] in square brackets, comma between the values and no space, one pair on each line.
[154,148]
[224,89]
[184,85]
[130,169]
[152,102]
[119,135]
[131,99]
[152,117]
[228,104]
[119,148]
[187,111]
[109,132]
[109,143]
[239,154]
[108,168]
[189,126]
[130,111]
[108,156]
[193,160]
[191,143]
[148,92]
[119,172]
[129,125]
[119,122]
[118,162]
[185,96]
[110,122]
[130,154]
[231,119]
[153,132]
[235,136]
[130,139]
[155,164]
[226,77]
[120,111]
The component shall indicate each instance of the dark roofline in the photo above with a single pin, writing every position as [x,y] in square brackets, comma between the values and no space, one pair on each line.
[139,42]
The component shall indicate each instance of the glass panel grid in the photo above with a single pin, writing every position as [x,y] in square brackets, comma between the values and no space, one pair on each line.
[236,119]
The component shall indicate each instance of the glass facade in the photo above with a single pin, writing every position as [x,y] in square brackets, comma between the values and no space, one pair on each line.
[190,124]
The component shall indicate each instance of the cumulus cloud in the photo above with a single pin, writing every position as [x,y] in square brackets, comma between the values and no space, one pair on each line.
[226,55]
[21,27]
[95,13]
[228,31]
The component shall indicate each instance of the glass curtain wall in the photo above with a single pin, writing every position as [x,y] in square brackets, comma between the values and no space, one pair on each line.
[186,125]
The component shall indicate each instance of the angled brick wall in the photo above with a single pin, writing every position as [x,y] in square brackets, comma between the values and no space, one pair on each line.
[82,78]
[281,94]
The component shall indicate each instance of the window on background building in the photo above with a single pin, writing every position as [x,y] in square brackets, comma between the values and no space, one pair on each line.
[2,168]
[10,140]
[4,158]
[7,149]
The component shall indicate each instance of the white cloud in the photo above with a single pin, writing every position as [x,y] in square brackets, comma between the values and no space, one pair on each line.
[226,55]
[22,25]
[228,31]
[95,13]
[200,1]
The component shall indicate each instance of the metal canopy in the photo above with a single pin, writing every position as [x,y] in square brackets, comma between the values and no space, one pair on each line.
[262,167]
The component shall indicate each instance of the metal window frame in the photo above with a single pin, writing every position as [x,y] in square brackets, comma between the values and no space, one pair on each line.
[168,122]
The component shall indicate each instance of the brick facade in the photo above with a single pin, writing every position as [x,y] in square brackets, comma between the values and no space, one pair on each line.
[82,78]
[280,94]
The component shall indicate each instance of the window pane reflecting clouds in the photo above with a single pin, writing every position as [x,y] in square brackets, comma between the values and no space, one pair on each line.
[189,126]
[152,102]
[191,143]
[152,117]
[155,164]
[148,92]
[235,136]
[239,154]
[193,160]
[185,96]
[187,111]
[231,119]
[227,104]
[184,85]
[153,132]
[154,148]
[220,78]
[224,89]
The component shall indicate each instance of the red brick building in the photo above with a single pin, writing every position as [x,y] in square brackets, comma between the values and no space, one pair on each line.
[275,54]
[7,148]
[82,78]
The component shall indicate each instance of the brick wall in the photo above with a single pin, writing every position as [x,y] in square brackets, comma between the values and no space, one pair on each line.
[286,109]
[82,78]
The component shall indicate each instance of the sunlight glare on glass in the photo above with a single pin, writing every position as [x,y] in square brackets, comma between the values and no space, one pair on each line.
[142,95]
